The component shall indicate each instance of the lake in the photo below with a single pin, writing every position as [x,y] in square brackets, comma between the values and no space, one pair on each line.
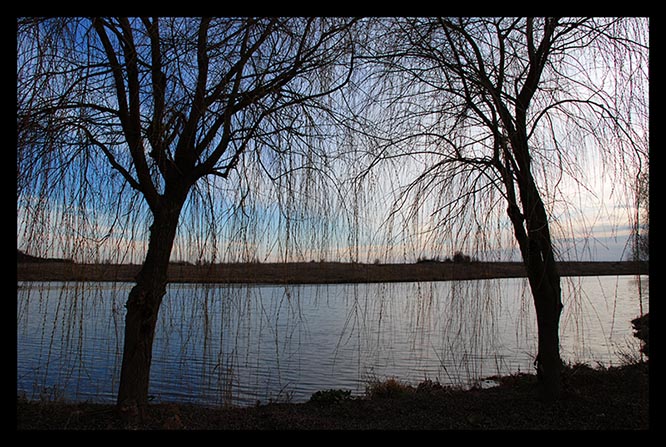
[238,344]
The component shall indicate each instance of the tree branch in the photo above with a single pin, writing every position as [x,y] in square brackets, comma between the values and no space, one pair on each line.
[155,128]
[185,156]
[112,159]
[129,113]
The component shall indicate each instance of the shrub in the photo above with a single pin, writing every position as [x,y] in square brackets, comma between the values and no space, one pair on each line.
[429,387]
[388,388]
[331,396]
[642,332]
[460,258]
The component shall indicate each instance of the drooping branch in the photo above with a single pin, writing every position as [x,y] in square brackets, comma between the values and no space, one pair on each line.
[111,158]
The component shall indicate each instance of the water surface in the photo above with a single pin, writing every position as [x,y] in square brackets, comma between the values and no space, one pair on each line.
[239,344]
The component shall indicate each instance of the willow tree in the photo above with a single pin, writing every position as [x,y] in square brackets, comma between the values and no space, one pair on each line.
[500,114]
[158,105]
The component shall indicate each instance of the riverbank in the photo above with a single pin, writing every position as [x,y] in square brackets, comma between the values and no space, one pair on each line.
[314,272]
[594,399]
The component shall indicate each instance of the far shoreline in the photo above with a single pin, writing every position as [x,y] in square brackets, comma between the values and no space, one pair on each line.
[315,272]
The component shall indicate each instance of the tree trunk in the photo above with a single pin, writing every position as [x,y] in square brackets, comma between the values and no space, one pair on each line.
[533,235]
[546,292]
[142,309]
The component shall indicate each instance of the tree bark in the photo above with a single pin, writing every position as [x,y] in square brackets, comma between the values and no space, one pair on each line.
[533,235]
[142,310]
[546,292]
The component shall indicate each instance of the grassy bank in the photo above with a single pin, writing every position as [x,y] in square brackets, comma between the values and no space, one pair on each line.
[594,399]
[314,272]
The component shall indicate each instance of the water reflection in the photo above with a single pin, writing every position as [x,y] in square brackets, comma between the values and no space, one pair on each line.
[238,344]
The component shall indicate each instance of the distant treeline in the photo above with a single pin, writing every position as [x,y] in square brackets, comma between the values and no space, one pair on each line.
[458,258]
[26,258]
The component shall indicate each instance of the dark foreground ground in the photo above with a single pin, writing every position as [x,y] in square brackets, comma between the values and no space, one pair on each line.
[594,399]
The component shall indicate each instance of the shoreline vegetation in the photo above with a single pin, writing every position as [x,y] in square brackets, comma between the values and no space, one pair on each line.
[310,272]
[615,398]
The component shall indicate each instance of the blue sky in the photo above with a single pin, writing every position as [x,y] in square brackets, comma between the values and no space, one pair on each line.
[588,198]
[597,228]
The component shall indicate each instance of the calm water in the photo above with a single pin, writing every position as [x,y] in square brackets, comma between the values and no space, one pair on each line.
[218,344]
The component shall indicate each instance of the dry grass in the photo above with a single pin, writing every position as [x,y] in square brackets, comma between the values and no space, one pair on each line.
[389,388]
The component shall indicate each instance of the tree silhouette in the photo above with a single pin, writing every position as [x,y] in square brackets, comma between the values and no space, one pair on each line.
[126,123]
[498,114]
[118,113]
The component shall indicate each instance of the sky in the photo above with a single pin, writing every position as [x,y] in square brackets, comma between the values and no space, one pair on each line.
[249,218]
[598,231]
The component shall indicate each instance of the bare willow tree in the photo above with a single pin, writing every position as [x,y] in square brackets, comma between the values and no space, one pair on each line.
[136,113]
[501,114]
